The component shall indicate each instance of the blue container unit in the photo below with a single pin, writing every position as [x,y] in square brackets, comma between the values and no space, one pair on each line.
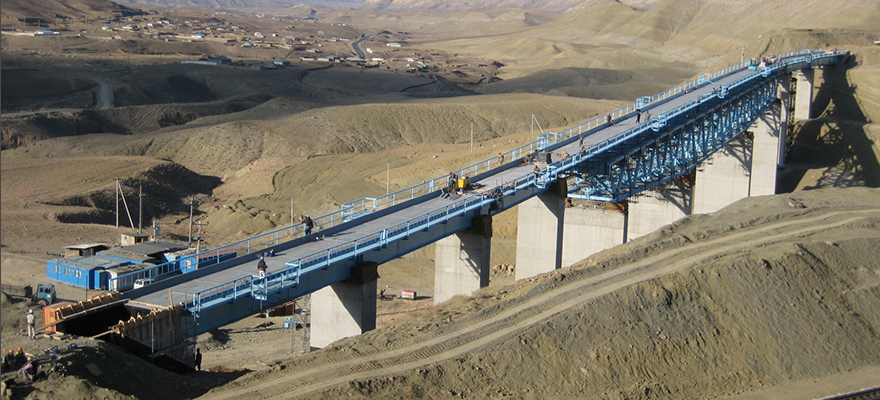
[187,261]
[86,272]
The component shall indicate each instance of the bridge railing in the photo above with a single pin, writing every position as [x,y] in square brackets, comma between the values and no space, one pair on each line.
[365,243]
[215,255]
[358,207]
[365,205]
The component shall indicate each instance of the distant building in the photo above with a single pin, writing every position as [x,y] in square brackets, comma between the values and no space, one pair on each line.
[84,250]
[199,36]
[221,59]
[46,32]
[107,28]
[281,62]
[392,44]
[128,239]
[247,44]
[259,35]
[202,61]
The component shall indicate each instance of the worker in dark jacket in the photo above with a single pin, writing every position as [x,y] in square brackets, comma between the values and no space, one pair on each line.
[20,357]
[9,361]
[198,361]
[307,221]
[261,266]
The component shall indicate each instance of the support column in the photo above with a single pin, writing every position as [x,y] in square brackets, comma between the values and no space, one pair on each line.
[723,178]
[591,228]
[804,96]
[784,96]
[345,309]
[539,233]
[765,152]
[655,208]
[461,261]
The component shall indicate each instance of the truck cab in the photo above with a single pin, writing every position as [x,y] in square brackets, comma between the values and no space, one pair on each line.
[45,294]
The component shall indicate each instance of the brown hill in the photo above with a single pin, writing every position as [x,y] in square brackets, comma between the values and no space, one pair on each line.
[59,11]
[441,6]
[612,34]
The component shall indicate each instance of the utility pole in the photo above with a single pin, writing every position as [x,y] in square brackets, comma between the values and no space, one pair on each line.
[388,180]
[190,221]
[533,125]
[199,238]
[472,137]
[291,211]
[117,202]
[742,54]
[141,209]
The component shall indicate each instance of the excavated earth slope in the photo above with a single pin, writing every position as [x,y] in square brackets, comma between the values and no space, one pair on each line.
[756,295]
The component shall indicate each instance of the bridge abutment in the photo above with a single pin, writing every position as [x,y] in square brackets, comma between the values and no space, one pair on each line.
[539,233]
[462,261]
[346,308]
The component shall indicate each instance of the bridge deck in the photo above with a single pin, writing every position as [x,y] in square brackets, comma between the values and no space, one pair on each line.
[182,292]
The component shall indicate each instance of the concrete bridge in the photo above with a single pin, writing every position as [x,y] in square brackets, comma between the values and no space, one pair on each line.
[635,174]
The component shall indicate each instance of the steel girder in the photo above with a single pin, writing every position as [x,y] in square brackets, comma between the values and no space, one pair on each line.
[675,146]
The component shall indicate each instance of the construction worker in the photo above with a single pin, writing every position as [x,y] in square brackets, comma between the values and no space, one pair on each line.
[9,361]
[198,363]
[20,357]
[500,158]
[29,370]
[261,267]
[309,225]
[31,325]
[450,185]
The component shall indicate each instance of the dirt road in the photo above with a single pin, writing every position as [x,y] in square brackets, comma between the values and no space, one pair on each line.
[458,339]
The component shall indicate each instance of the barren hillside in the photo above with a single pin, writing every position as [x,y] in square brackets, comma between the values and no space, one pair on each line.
[754,296]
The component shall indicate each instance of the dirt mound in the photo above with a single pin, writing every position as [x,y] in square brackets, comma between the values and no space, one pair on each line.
[165,186]
[99,370]
[26,86]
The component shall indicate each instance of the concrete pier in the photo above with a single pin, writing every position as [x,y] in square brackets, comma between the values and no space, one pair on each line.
[658,207]
[804,96]
[539,234]
[462,261]
[784,96]
[724,178]
[765,152]
[591,228]
[345,309]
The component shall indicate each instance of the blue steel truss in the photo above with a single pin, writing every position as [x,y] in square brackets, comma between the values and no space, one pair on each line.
[672,146]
